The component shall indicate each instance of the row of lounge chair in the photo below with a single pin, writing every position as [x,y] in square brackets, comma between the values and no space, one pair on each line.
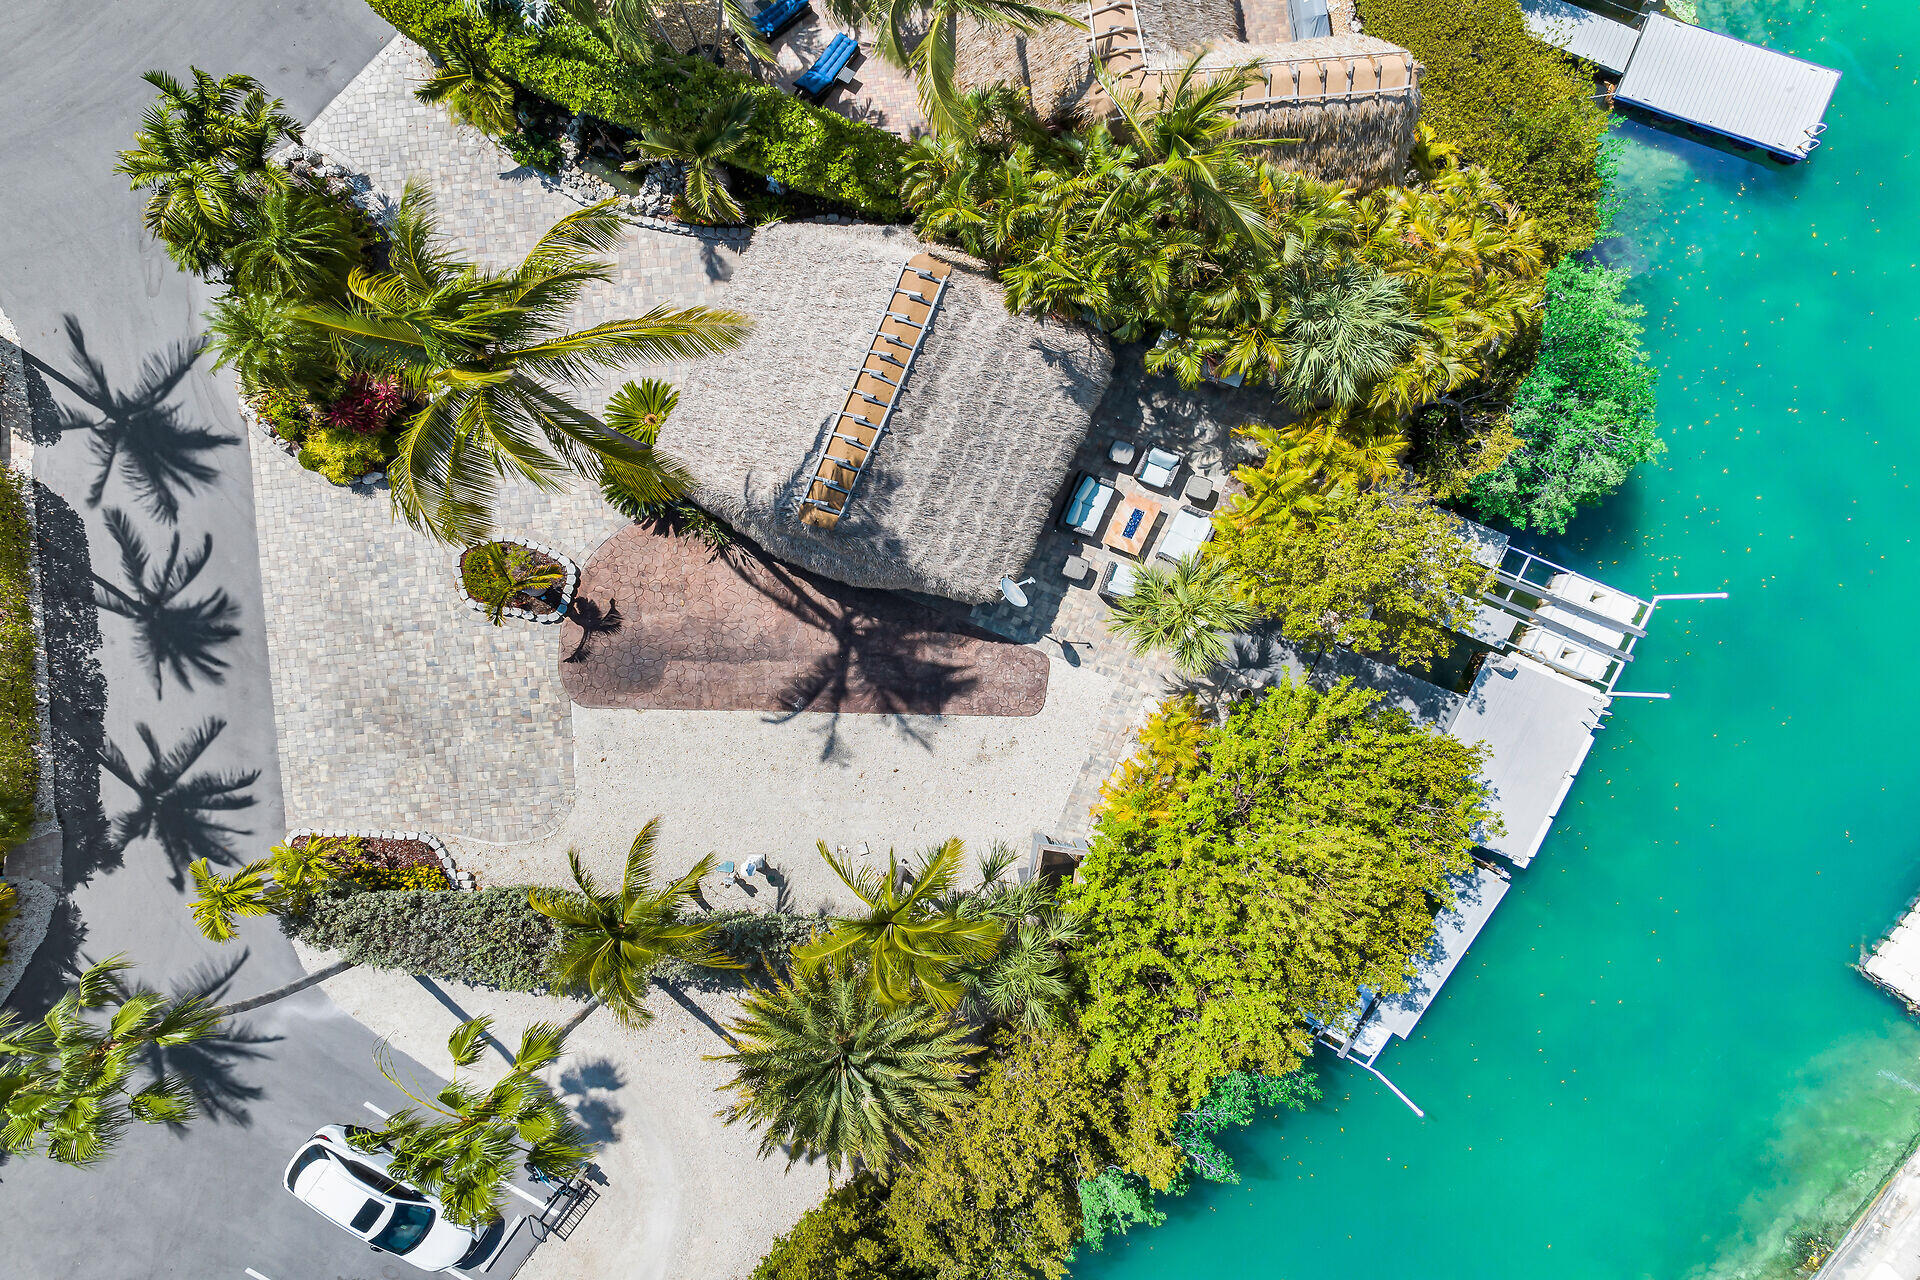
[830,68]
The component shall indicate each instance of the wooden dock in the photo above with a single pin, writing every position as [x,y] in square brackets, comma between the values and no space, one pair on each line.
[1751,95]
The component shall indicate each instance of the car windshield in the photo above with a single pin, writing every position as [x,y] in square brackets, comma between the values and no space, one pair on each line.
[409,1224]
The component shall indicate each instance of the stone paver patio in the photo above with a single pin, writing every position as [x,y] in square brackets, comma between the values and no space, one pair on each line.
[665,624]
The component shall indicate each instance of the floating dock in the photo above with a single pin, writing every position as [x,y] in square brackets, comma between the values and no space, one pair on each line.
[1751,95]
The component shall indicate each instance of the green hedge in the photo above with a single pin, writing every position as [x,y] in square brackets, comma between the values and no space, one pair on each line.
[1509,102]
[803,147]
[490,937]
[19,764]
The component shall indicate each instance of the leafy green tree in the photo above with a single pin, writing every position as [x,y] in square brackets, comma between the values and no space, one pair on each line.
[464,1144]
[610,942]
[1584,415]
[998,1195]
[1345,330]
[1186,609]
[1509,102]
[466,84]
[1381,572]
[202,152]
[844,1237]
[907,945]
[829,1070]
[67,1081]
[721,132]
[1299,858]
[485,349]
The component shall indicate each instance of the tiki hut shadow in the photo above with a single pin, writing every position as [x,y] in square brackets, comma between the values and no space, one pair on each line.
[136,432]
[76,688]
[211,1067]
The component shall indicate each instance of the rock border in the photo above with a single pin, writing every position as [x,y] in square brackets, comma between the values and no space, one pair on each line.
[455,876]
[36,902]
[567,588]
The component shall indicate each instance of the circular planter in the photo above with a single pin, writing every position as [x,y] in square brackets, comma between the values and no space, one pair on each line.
[546,609]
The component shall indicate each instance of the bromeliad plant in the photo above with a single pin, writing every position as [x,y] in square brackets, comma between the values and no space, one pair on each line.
[67,1081]
[910,947]
[611,942]
[464,1144]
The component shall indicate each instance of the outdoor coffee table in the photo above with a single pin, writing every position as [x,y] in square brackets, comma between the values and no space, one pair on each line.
[1132,525]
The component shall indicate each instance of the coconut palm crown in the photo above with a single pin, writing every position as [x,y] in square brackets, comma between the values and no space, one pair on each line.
[829,1070]
[611,941]
[487,353]
[908,944]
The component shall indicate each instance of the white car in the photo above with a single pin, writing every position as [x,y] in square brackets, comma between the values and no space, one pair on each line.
[351,1188]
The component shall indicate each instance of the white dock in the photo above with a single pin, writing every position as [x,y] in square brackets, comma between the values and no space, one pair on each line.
[1752,95]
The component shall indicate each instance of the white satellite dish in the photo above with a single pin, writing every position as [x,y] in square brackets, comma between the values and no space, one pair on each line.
[1011,590]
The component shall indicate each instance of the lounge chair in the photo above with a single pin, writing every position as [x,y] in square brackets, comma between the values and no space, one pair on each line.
[829,67]
[1158,470]
[1087,507]
[1119,579]
[1186,533]
[780,15]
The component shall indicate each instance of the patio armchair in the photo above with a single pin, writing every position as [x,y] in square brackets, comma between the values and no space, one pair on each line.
[1186,533]
[1160,467]
[1119,579]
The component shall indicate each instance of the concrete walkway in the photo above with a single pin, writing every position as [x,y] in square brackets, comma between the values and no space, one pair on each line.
[1885,1243]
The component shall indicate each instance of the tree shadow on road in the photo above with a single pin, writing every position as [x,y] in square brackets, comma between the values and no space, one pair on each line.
[180,636]
[175,807]
[211,1067]
[136,432]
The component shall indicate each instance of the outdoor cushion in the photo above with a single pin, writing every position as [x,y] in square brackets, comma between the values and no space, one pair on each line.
[818,78]
[779,15]
[1088,506]
[1157,471]
[1119,580]
[1185,534]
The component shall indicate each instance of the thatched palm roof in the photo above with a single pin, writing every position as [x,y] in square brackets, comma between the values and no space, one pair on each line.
[959,488]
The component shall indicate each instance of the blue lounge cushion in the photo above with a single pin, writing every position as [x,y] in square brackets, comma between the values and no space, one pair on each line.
[779,15]
[832,60]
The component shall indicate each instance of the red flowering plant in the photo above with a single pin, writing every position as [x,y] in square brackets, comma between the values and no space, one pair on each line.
[368,406]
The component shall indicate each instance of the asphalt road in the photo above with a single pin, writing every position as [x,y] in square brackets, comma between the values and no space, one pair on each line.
[131,424]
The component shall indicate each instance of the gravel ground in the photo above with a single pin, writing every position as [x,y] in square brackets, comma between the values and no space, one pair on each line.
[681,1194]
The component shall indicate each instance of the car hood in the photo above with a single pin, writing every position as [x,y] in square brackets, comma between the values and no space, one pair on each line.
[443,1245]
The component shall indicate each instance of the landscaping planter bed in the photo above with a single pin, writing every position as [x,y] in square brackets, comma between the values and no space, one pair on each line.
[547,607]
[396,851]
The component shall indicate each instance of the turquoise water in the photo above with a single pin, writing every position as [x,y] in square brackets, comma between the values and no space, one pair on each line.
[1657,1061]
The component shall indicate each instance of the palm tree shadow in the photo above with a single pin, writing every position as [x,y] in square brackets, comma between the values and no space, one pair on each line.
[593,620]
[177,809]
[584,1087]
[211,1067]
[136,432]
[179,636]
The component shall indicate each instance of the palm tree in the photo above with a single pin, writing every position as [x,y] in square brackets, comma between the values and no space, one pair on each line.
[495,576]
[906,943]
[269,346]
[932,57]
[637,411]
[610,942]
[1186,609]
[66,1080]
[202,152]
[1345,330]
[465,1157]
[174,808]
[299,244]
[829,1070]
[723,132]
[180,636]
[280,882]
[1025,980]
[634,31]
[483,349]
[473,93]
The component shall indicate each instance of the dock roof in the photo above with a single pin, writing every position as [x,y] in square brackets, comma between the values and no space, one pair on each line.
[1538,726]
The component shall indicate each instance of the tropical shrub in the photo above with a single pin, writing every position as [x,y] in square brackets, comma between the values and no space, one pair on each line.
[1584,415]
[802,146]
[9,912]
[420,878]
[368,406]
[533,151]
[290,413]
[343,455]
[1381,572]
[756,941]
[1299,858]
[489,937]
[1509,102]
[19,720]
[844,1237]
[495,574]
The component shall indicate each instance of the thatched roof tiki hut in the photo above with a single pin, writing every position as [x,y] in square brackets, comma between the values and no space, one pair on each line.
[956,468]
[1352,100]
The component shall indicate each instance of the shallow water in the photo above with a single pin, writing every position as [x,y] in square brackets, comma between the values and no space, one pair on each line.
[1657,1061]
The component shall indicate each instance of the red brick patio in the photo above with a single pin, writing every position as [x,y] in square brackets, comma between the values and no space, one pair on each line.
[664,624]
